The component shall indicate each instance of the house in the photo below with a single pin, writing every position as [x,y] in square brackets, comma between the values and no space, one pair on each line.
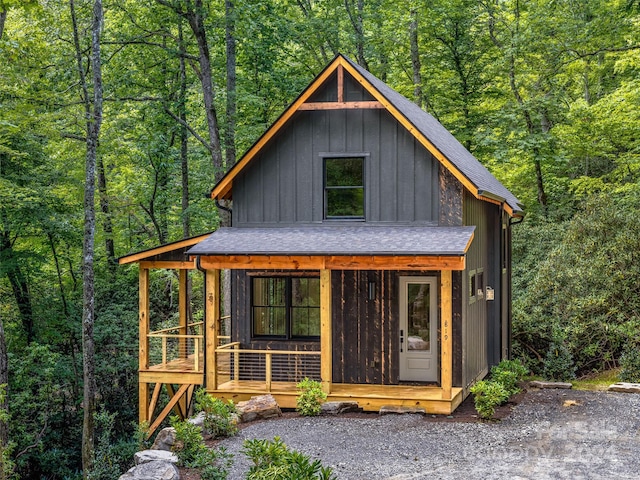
[368,250]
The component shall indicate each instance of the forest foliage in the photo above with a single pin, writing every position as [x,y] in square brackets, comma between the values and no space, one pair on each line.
[546,93]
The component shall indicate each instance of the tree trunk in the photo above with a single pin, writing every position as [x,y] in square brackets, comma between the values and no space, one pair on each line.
[230,130]
[184,136]
[418,96]
[4,358]
[94,122]
[3,18]
[196,22]
[107,226]
[358,26]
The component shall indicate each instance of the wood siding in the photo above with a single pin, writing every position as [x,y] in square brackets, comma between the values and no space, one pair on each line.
[285,185]
[365,338]
[481,323]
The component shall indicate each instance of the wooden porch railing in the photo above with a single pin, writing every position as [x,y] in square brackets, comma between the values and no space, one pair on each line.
[177,351]
[239,365]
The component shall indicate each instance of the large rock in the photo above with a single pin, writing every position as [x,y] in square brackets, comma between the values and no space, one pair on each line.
[259,407]
[146,456]
[336,408]
[541,384]
[156,470]
[625,387]
[165,439]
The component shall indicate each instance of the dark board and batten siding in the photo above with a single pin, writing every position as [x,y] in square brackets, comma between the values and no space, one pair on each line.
[481,326]
[285,184]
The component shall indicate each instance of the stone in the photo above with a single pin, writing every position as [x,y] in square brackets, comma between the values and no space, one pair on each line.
[336,408]
[625,387]
[156,470]
[165,439]
[395,409]
[198,420]
[541,384]
[259,407]
[146,456]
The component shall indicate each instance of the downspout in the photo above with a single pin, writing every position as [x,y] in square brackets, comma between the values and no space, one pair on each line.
[512,221]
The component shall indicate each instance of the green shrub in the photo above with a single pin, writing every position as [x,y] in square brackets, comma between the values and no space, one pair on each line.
[630,363]
[220,418]
[311,396]
[272,460]
[111,457]
[487,395]
[193,453]
[509,373]
[558,363]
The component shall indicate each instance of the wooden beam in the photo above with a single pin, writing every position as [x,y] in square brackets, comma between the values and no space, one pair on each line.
[176,265]
[212,319]
[143,405]
[340,93]
[398,262]
[154,400]
[326,360]
[446,338]
[362,105]
[289,262]
[318,262]
[143,319]
[172,403]
[182,311]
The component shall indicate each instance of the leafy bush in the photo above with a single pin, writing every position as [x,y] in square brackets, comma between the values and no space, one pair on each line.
[630,363]
[558,363]
[274,460]
[585,285]
[220,418]
[487,395]
[311,396]
[112,457]
[509,373]
[193,453]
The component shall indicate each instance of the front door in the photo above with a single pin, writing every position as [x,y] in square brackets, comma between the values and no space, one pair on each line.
[418,329]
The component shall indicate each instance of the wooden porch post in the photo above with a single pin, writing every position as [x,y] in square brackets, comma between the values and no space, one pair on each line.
[212,318]
[182,312]
[143,344]
[446,339]
[325,330]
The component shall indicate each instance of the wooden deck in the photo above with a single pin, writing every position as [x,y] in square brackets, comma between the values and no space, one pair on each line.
[369,397]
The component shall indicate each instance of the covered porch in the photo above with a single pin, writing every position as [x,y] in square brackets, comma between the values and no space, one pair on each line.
[237,371]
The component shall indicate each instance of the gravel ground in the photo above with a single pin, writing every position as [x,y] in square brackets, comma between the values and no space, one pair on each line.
[551,434]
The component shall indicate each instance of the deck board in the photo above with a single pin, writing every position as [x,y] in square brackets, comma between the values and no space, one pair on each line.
[369,397]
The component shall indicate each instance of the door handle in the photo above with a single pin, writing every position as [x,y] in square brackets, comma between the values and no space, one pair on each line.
[401,339]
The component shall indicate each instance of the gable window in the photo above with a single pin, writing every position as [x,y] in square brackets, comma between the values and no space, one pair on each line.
[286,307]
[344,188]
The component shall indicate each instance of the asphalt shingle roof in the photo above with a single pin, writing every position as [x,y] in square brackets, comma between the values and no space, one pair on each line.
[337,240]
[443,140]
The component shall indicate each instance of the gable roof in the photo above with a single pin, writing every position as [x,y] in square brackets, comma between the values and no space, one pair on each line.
[424,127]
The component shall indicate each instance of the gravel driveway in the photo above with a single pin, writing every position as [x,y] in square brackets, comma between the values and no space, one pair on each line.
[596,435]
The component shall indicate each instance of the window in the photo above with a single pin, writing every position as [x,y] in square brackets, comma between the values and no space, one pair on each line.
[476,285]
[344,188]
[285,307]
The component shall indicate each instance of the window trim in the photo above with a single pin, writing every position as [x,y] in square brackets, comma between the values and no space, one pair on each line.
[325,200]
[288,336]
[476,279]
